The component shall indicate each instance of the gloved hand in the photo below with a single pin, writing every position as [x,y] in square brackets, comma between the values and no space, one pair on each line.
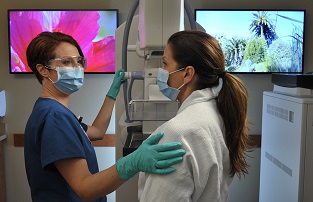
[150,157]
[115,86]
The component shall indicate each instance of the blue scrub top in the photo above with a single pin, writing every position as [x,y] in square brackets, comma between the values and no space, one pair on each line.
[53,133]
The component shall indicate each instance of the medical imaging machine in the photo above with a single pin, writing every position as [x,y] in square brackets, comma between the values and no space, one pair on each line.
[140,107]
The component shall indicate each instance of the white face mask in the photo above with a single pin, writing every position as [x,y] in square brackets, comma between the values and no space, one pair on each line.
[70,79]
[165,89]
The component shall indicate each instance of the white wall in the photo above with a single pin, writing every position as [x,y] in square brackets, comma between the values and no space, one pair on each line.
[23,90]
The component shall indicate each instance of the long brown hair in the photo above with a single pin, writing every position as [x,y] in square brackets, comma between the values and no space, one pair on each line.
[203,52]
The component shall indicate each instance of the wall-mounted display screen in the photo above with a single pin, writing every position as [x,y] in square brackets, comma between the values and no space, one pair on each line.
[94,30]
[257,41]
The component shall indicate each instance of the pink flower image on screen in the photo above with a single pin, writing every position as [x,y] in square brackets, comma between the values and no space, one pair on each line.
[84,26]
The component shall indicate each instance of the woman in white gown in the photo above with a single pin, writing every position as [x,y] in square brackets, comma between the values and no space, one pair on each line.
[212,127]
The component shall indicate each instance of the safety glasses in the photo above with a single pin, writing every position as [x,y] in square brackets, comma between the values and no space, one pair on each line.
[68,61]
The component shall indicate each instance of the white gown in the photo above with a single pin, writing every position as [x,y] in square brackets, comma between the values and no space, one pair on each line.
[204,173]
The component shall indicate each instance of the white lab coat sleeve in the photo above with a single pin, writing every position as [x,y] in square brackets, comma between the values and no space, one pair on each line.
[180,185]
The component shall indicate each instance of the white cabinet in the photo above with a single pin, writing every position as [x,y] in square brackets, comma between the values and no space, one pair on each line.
[287,149]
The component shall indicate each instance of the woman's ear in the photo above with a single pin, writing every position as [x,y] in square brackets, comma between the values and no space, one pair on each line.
[189,74]
[42,70]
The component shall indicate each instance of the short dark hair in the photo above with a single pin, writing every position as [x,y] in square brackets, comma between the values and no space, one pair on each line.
[41,49]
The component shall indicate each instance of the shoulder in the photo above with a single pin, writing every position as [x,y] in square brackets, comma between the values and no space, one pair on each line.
[198,127]
[47,104]
[197,119]
[48,113]
[49,107]
[191,131]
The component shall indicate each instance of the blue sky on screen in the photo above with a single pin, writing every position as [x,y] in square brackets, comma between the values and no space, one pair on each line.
[236,23]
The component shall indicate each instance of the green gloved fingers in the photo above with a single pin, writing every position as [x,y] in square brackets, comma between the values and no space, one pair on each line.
[169,162]
[167,146]
[151,158]
[116,84]
[168,155]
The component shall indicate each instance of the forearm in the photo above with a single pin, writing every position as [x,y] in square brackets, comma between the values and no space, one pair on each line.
[100,125]
[100,184]
[86,185]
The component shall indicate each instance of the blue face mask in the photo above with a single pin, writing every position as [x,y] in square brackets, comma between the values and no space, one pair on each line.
[70,79]
[165,89]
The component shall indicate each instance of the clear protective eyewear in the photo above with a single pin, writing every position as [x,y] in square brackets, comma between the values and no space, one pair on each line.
[68,61]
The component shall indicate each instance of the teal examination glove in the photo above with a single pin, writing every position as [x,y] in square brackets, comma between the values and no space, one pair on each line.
[151,157]
[115,87]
